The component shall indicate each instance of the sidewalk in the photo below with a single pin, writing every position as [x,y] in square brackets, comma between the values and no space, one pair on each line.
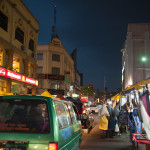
[93,141]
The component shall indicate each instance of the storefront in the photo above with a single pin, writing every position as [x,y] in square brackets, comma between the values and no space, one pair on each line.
[12,82]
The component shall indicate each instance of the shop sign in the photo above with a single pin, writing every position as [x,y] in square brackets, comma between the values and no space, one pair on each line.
[42,76]
[31,81]
[75,95]
[51,77]
[56,92]
[16,76]
[67,79]
[55,77]
[2,71]
[13,75]
[71,88]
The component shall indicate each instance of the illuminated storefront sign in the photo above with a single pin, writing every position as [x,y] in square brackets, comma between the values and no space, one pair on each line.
[16,76]
[75,95]
[13,75]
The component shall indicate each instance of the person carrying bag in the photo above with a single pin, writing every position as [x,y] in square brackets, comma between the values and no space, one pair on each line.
[103,115]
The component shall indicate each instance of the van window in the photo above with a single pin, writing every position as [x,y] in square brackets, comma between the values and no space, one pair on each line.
[72,114]
[76,111]
[61,115]
[24,116]
[68,113]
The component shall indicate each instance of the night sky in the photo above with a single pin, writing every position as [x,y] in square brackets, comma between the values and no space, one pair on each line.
[97,28]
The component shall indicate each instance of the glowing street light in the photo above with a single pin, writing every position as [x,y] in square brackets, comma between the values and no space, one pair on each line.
[144,59]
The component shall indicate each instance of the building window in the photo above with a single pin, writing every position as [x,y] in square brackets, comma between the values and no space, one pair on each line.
[19,35]
[55,57]
[55,86]
[3,21]
[55,71]
[39,69]
[16,64]
[31,45]
[1,57]
[39,56]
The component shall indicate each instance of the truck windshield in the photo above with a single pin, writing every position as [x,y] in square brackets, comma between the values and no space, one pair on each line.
[24,116]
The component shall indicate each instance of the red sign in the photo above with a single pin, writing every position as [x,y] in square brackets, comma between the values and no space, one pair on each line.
[16,76]
[2,71]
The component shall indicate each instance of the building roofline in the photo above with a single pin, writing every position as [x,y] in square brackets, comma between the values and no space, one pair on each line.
[29,10]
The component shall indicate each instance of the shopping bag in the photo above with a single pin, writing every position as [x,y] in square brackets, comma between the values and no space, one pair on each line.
[116,128]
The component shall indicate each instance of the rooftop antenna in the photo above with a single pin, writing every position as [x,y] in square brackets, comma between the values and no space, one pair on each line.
[55,16]
[54,34]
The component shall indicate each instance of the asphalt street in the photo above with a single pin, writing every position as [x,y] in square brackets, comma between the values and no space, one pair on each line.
[93,140]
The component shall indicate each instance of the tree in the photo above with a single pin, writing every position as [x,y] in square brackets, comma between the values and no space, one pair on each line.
[87,91]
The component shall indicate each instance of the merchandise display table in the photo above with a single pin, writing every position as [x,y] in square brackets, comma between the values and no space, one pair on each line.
[140,139]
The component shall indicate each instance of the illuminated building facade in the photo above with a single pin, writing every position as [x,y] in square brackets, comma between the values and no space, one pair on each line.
[136,54]
[55,69]
[18,37]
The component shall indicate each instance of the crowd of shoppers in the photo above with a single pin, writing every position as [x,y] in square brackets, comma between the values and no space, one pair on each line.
[109,118]
[114,120]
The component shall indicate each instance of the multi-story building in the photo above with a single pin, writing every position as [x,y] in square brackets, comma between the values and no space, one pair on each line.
[136,54]
[55,68]
[18,37]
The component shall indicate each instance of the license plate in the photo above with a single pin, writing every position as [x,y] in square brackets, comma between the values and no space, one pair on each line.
[8,147]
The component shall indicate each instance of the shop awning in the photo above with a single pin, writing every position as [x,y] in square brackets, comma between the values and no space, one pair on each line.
[116,97]
[128,90]
[47,94]
[142,83]
[61,97]
[136,86]
[72,99]
[84,100]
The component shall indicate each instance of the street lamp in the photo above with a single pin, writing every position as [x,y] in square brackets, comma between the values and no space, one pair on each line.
[144,60]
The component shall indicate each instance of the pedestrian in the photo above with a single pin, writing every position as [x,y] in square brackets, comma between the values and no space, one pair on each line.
[116,112]
[103,121]
[111,124]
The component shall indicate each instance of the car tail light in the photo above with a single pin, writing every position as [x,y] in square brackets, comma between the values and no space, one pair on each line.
[53,146]
[84,111]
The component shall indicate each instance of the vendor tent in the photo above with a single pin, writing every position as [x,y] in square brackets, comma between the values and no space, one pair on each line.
[61,97]
[47,94]
[72,99]
[116,97]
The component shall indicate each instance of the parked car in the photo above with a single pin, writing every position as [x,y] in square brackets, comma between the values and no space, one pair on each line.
[85,116]
[94,108]
[37,122]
